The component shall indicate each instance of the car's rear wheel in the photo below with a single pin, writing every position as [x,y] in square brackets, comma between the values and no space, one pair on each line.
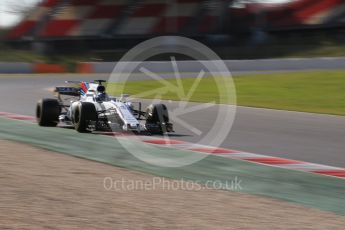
[83,115]
[47,112]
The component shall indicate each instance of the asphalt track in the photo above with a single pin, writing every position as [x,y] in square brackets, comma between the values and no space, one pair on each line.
[301,136]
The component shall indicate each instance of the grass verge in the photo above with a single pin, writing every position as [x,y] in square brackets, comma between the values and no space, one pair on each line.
[314,91]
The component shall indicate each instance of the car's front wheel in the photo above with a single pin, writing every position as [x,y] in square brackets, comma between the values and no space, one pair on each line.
[83,115]
[157,119]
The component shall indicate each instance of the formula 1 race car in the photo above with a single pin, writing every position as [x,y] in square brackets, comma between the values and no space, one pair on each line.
[88,108]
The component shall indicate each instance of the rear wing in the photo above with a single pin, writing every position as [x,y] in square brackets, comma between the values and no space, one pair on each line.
[79,88]
[70,91]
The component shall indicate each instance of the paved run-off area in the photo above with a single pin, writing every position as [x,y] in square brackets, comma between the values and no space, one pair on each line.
[316,191]
[46,190]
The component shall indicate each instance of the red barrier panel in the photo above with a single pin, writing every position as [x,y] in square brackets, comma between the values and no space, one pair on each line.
[85,68]
[49,68]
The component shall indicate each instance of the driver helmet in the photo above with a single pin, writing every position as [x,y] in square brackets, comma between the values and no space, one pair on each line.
[100,89]
[102,96]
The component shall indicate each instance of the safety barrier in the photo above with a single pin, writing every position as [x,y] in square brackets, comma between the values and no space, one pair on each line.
[49,68]
[30,68]
[15,67]
[291,64]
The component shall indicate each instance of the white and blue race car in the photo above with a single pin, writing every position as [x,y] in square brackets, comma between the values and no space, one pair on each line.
[89,108]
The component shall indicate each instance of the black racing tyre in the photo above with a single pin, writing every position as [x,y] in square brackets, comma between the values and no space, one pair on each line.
[157,118]
[157,113]
[47,112]
[84,113]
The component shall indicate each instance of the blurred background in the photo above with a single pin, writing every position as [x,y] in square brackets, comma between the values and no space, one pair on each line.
[70,31]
